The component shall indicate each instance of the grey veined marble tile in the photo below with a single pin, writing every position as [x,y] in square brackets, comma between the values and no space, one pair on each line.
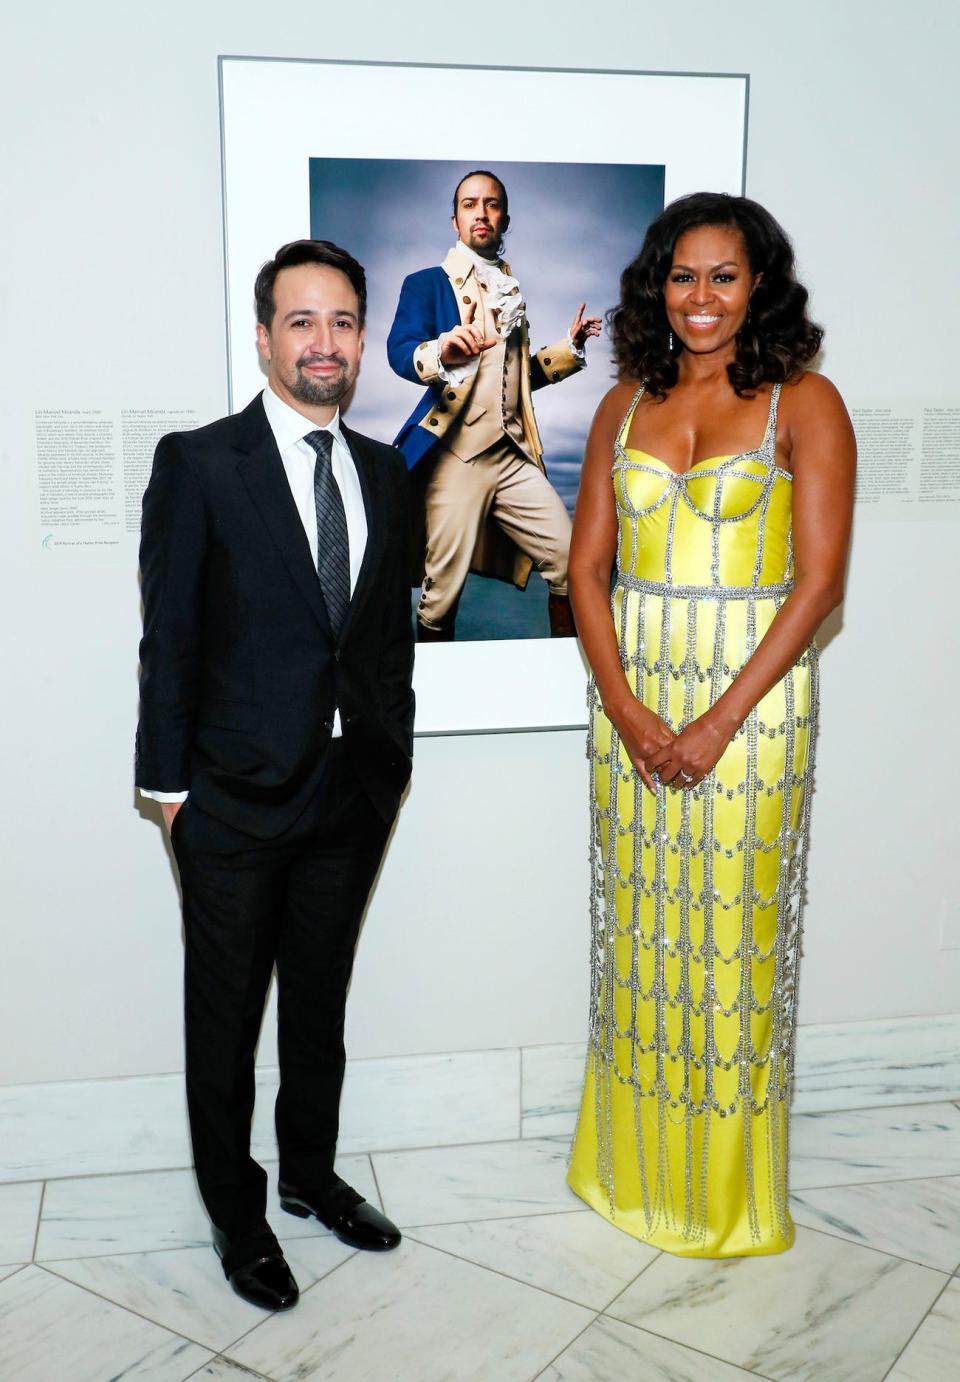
[610,1351]
[579,1256]
[153,1210]
[116,1214]
[222,1370]
[51,1331]
[19,1211]
[863,1145]
[901,1060]
[826,1309]
[185,1290]
[915,1219]
[413,1101]
[933,1354]
[552,1084]
[92,1127]
[498,1180]
[413,1314]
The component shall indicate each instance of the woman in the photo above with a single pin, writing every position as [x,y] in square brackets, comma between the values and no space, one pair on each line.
[727,515]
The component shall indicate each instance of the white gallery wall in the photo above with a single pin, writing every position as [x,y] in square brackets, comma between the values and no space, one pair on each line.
[112,297]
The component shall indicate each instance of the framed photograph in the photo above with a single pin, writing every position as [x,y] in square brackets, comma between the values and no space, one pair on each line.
[369,155]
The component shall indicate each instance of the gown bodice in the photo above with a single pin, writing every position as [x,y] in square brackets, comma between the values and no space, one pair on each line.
[726,522]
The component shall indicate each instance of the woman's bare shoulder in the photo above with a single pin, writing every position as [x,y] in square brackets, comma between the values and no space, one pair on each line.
[613,406]
[811,394]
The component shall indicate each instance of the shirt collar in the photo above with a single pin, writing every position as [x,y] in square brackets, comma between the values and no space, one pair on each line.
[478,259]
[289,426]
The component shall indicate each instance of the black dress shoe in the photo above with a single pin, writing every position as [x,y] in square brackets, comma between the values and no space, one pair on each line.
[353,1220]
[257,1270]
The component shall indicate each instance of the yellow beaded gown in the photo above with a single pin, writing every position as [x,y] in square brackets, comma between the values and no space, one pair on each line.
[696,895]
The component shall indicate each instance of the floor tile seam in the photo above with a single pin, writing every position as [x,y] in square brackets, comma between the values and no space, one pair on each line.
[946,1098]
[36,1231]
[882,1252]
[270,1316]
[631,1283]
[887,1252]
[137,1314]
[566,1348]
[376,1183]
[901,1180]
[920,1323]
[692,1348]
[17,1269]
[453,1146]
[370,1152]
[507,1276]
[887,1180]
[492,1219]
[222,1358]
[134,1252]
[173,1170]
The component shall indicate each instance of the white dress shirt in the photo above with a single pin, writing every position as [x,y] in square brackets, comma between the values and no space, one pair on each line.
[299,462]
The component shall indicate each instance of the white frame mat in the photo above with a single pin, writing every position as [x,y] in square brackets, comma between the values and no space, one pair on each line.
[278,113]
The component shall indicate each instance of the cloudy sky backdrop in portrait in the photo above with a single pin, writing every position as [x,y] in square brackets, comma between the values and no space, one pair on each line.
[573,227]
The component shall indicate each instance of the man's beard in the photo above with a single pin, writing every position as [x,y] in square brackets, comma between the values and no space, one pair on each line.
[319,392]
[488,248]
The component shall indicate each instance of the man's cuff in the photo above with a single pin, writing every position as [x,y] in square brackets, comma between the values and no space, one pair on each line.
[426,361]
[455,375]
[578,351]
[560,360]
[163,796]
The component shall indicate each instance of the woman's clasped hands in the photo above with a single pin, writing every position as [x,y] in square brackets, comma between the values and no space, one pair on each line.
[661,756]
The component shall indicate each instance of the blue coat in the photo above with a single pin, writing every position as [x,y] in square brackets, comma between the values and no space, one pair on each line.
[426,308]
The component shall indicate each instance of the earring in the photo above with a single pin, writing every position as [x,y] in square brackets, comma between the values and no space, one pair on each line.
[670,342]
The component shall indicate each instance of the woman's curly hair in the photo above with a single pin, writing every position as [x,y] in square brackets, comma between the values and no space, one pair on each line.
[776,340]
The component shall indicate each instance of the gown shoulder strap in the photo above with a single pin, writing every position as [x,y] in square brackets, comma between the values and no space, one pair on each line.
[769,444]
[625,425]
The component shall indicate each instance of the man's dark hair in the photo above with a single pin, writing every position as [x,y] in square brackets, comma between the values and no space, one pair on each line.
[482,173]
[775,342]
[307,252]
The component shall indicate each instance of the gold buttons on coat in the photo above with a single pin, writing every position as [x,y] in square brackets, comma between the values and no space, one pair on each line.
[458,281]
[467,300]
[420,366]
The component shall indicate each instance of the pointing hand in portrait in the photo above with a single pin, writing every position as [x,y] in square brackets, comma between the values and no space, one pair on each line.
[464,341]
[582,328]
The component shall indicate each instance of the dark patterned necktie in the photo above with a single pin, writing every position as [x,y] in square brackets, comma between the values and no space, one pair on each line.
[333,545]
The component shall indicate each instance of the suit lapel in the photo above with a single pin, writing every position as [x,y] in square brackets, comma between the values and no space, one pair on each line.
[371,487]
[261,471]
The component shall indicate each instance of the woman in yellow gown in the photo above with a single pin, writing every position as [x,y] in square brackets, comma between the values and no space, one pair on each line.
[718,481]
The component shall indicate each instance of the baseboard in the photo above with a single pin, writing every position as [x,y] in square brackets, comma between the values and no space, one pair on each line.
[95,1127]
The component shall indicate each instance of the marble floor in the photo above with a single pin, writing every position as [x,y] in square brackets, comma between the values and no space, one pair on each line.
[503,1276]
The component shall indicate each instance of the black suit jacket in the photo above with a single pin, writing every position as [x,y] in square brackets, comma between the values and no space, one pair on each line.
[240,671]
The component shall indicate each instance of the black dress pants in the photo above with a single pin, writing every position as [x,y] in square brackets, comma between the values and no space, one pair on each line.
[294,902]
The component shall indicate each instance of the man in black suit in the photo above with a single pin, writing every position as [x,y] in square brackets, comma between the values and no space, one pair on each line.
[276,729]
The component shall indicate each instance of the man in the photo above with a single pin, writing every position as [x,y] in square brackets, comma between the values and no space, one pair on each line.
[276,729]
[461,329]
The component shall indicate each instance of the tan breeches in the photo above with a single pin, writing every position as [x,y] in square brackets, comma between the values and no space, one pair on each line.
[499,484]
